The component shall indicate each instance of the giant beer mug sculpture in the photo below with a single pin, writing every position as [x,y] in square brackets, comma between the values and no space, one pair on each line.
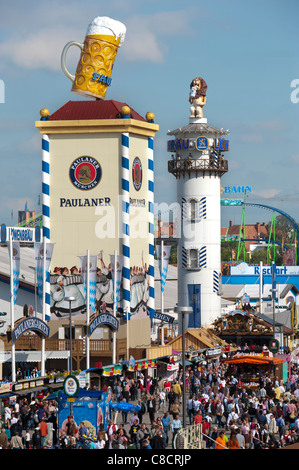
[93,75]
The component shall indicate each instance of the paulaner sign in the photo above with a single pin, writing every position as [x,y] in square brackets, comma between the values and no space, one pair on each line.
[104,319]
[84,202]
[35,324]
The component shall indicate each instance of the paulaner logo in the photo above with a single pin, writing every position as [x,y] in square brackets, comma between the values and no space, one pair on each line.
[85,172]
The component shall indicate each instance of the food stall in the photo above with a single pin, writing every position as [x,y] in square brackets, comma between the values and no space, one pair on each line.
[251,367]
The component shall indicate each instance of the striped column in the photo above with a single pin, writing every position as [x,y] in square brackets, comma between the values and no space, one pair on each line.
[125,220]
[46,211]
[151,300]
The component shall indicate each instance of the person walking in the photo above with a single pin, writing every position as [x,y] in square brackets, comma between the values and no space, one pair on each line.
[221,441]
[166,426]
[175,427]
[44,430]
[190,406]
[16,442]
[233,442]
[151,407]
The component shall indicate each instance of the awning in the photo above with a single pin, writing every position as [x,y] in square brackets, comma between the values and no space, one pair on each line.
[25,391]
[187,363]
[254,360]
[6,395]
[51,396]
[32,356]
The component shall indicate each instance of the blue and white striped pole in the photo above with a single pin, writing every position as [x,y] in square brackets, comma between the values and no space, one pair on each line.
[151,300]
[46,216]
[125,221]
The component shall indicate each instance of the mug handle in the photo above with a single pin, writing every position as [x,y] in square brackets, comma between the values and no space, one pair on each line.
[63,57]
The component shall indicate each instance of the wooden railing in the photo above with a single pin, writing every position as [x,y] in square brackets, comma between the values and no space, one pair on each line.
[182,166]
[98,347]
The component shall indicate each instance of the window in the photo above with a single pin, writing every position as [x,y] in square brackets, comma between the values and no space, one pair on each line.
[193,258]
[193,209]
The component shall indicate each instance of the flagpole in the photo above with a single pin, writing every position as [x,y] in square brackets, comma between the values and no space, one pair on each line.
[128,343]
[261,287]
[44,305]
[162,291]
[87,312]
[114,307]
[12,313]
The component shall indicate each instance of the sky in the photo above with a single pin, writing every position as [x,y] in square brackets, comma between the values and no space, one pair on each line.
[247,52]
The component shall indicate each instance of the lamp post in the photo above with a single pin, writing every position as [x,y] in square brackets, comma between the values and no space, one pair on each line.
[183,311]
[70,300]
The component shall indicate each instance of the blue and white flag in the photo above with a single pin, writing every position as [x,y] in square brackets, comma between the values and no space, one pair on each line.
[15,268]
[117,276]
[132,362]
[92,279]
[163,263]
[39,265]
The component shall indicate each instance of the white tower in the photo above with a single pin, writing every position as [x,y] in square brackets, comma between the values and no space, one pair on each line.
[198,164]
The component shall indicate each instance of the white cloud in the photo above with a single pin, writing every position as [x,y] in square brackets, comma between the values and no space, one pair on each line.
[144,40]
[41,46]
[41,49]
[267,193]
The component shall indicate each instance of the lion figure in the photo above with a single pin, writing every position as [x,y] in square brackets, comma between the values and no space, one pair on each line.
[197,97]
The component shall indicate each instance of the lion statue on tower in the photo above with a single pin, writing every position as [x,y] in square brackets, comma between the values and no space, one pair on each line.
[197,97]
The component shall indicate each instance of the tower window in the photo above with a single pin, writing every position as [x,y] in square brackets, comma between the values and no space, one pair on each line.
[193,211]
[193,258]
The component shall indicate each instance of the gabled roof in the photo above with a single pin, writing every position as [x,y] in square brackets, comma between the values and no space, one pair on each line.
[199,337]
[99,109]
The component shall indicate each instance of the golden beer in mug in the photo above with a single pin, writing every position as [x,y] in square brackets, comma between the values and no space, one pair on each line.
[98,52]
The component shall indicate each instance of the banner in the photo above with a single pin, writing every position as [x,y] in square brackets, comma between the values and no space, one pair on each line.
[15,268]
[92,278]
[117,276]
[39,265]
[163,263]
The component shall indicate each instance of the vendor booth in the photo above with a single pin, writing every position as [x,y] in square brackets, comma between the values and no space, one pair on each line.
[90,406]
[93,407]
[250,368]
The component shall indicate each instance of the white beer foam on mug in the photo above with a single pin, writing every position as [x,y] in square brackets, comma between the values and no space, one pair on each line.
[105,25]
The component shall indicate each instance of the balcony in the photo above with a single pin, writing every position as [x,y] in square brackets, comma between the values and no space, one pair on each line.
[98,348]
[182,167]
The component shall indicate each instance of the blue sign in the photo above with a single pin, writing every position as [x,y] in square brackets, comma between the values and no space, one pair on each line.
[221,144]
[163,317]
[98,77]
[31,324]
[236,189]
[104,319]
[178,144]
[3,233]
[202,143]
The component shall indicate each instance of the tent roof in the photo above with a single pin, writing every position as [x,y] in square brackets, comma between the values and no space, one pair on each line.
[252,359]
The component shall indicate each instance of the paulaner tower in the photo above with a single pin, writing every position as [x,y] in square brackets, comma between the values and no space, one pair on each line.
[197,162]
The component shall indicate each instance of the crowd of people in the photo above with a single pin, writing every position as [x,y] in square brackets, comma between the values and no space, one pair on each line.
[231,415]
[237,417]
